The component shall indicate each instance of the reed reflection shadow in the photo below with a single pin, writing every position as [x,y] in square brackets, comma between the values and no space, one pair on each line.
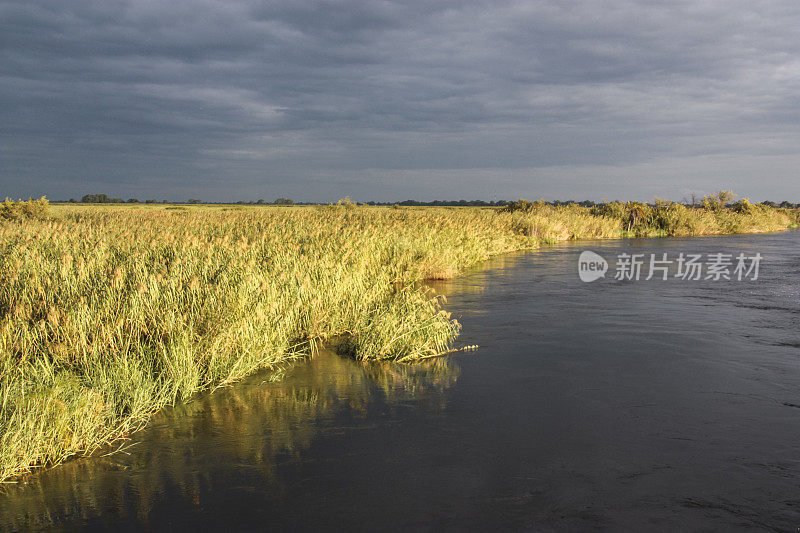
[244,431]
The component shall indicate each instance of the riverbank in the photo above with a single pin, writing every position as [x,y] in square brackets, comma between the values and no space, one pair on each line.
[110,313]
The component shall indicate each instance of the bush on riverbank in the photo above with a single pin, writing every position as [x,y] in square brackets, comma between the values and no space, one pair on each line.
[24,209]
[665,218]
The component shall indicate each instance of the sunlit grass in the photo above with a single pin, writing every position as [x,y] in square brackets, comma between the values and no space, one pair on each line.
[109,313]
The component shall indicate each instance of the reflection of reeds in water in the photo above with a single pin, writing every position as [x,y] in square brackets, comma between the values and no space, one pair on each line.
[431,376]
[248,427]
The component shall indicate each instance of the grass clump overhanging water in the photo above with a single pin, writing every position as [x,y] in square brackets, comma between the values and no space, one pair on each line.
[109,313]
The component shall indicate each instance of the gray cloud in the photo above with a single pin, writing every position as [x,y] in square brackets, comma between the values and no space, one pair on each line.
[228,100]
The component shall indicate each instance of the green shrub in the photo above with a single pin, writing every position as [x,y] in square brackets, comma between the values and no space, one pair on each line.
[744,207]
[718,201]
[24,210]
[522,206]
[344,204]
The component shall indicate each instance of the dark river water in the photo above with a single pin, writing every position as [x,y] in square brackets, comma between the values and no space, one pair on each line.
[612,405]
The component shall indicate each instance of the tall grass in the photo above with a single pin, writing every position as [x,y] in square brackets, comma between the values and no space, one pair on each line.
[665,218]
[659,219]
[109,313]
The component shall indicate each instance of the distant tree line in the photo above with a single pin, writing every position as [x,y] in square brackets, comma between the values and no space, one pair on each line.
[100,199]
[475,203]
[442,203]
[694,201]
[261,201]
[786,205]
[105,199]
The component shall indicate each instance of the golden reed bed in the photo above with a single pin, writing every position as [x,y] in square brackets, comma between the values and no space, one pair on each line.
[108,313]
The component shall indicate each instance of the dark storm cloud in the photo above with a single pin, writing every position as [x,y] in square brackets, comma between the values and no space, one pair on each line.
[387,100]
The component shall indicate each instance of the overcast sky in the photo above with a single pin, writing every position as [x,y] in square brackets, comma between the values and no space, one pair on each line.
[240,100]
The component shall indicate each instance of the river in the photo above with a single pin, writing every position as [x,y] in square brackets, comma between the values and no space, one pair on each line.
[612,405]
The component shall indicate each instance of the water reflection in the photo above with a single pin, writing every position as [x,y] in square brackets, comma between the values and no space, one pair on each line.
[246,430]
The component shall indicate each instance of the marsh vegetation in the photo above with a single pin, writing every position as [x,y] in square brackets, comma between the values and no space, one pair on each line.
[109,313]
